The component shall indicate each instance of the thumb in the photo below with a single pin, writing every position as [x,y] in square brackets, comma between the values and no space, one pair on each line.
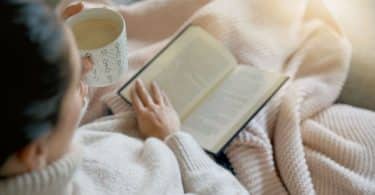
[72,9]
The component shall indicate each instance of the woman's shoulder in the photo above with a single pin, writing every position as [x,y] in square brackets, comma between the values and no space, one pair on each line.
[119,134]
[112,160]
[124,123]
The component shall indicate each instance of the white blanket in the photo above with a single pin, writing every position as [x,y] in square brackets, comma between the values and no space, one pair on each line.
[299,143]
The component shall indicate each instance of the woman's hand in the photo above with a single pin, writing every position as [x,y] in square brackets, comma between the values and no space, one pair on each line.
[76,7]
[87,66]
[72,10]
[155,114]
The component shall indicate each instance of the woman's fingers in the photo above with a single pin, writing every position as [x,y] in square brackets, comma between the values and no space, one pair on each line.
[156,93]
[143,94]
[84,89]
[72,9]
[137,103]
[87,65]
[158,96]
[166,99]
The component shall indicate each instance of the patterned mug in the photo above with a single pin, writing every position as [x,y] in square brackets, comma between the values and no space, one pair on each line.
[109,61]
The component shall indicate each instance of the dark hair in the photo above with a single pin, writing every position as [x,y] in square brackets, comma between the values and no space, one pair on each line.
[35,72]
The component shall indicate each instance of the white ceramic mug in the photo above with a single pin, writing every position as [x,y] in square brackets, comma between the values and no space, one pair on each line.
[110,61]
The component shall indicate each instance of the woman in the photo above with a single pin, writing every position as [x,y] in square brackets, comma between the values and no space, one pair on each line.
[44,107]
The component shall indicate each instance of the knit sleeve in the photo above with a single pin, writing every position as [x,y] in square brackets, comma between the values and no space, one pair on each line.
[200,174]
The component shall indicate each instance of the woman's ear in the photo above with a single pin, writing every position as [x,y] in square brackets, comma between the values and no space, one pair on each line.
[34,156]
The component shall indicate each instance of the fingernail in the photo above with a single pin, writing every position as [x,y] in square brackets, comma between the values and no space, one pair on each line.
[141,83]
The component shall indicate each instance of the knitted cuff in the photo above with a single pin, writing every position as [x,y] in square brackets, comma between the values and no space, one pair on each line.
[188,153]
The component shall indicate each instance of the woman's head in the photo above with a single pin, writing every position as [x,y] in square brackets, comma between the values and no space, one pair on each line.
[43,91]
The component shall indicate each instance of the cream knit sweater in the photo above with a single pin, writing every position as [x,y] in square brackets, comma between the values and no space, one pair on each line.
[111,163]
[299,143]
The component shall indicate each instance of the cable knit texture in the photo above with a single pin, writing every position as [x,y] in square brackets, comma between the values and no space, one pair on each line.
[110,162]
[299,143]
[55,179]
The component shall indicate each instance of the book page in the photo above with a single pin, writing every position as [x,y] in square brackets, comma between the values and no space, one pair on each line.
[228,107]
[193,64]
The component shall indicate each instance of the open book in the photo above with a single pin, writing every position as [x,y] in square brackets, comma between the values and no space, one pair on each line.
[214,97]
